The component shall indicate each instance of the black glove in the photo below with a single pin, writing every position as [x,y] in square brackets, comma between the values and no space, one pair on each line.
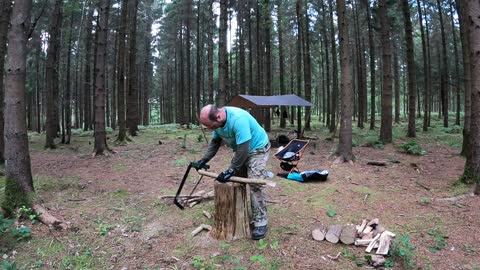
[224,176]
[201,164]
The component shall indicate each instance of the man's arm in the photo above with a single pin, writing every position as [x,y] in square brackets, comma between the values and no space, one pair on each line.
[241,156]
[212,149]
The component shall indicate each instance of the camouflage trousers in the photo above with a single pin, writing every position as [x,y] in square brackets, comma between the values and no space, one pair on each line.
[257,168]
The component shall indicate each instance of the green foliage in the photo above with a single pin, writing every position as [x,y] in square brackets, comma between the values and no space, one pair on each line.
[199,138]
[413,148]
[181,162]
[22,233]
[103,229]
[455,129]
[5,223]
[27,213]
[200,263]
[14,197]
[331,211]
[375,144]
[439,240]
[6,265]
[257,258]
[402,251]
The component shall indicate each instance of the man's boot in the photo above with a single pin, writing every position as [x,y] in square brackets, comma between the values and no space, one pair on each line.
[259,232]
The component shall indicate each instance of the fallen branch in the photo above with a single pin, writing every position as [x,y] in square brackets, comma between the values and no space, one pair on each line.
[422,186]
[46,218]
[336,256]
[240,179]
[376,163]
[456,198]
[201,228]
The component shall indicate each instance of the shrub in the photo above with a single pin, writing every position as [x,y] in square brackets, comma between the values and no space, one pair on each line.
[413,148]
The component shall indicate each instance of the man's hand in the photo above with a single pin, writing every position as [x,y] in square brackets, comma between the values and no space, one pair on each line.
[201,164]
[224,176]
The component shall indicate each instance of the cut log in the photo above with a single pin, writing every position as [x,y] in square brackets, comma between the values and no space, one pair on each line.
[319,232]
[373,223]
[362,242]
[207,214]
[46,218]
[201,228]
[231,212]
[384,242]
[367,230]
[367,235]
[371,246]
[377,260]
[348,235]
[333,234]
[362,226]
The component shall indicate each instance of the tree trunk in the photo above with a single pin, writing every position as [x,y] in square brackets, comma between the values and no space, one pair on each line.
[231,212]
[344,148]
[67,101]
[299,66]
[100,134]
[411,69]
[222,55]
[122,125]
[472,167]
[457,73]
[132,92]
[326,45]
[386,123]
[467,75]
[333,124]
[426,99]
[210,50]
[281,59]
[87,99]
[52,78]
[268,60]
[307,67]
[371,46]
[396,78]
[444,84]
[18,174]
[5,10]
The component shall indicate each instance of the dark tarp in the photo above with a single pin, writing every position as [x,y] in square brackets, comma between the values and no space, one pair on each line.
[247,101]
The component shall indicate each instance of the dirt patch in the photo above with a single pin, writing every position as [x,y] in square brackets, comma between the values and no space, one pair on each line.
[118,220]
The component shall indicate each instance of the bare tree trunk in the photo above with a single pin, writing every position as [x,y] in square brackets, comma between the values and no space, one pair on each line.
[396,78]
[132,92]
[371,46]
[281,59]
[333,124]
[326,45]
[344,148]
[444,84]
[67,102]
[386,124]
[457,73]
[472,166]
[299,66]
[19,184]
[412,80]
[467,75]
[307,67]
[210,50]
[122,125]
[268,61]
[222,55]
[5,10]
[100,134]
[51,80]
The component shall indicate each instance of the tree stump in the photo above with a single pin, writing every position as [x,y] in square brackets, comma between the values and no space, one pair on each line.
[231,212]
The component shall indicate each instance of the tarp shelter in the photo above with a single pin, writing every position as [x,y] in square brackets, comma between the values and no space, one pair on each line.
[248,101]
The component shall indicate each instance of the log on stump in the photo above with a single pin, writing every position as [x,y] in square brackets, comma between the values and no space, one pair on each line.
[231,212]
[333,234]
[348,235]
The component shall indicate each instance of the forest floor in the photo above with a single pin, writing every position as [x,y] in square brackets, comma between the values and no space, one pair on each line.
[119,220]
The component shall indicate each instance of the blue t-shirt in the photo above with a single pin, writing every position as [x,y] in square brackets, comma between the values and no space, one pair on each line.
[239,128]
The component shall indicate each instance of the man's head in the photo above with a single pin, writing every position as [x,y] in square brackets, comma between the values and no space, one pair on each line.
[212,117]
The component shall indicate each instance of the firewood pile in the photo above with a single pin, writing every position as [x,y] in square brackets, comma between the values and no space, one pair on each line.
[369,234]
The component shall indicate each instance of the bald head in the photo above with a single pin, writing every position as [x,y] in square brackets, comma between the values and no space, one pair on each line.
[211,116]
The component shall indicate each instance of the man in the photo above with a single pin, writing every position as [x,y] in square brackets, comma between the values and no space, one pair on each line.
[251,145]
